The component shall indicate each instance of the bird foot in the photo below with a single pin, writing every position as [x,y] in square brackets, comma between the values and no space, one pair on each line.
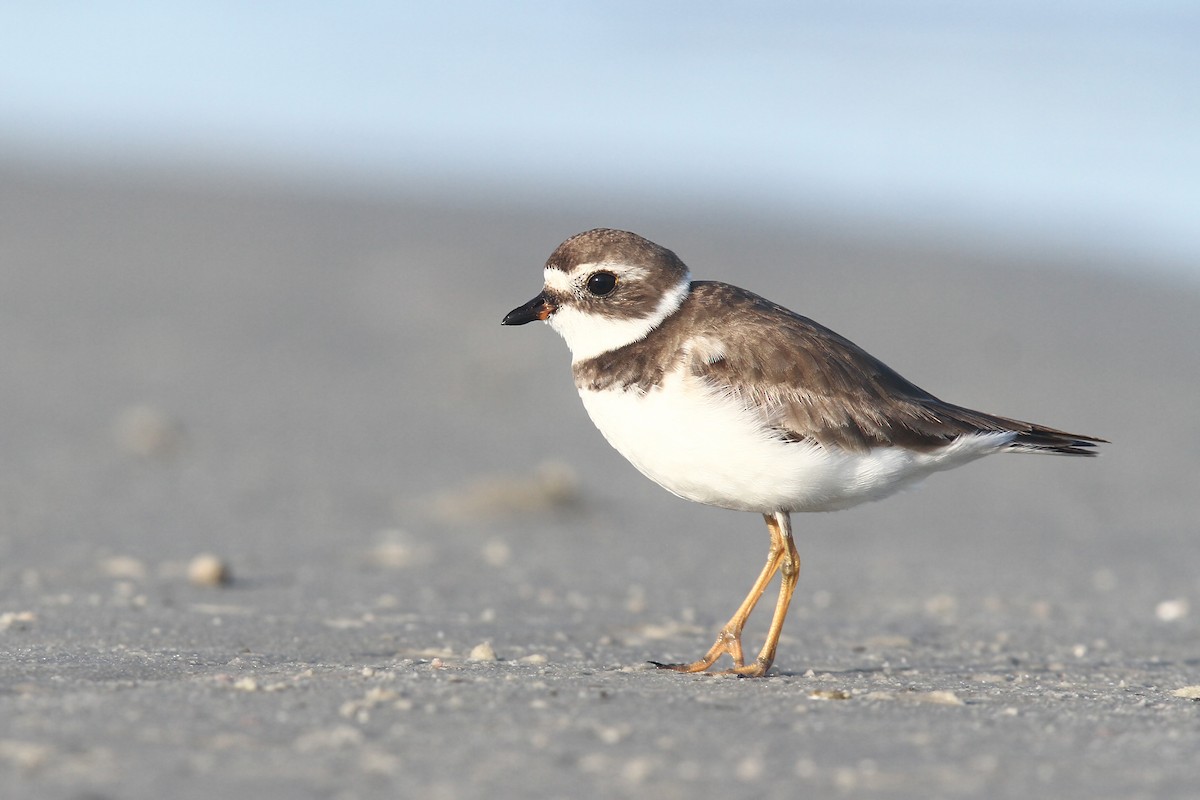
[781,558]
[729,642]
[757,669]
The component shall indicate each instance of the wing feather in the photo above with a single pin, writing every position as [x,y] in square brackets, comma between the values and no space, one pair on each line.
[814,385]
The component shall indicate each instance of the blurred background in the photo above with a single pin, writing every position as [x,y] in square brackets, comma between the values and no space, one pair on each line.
[253,261]
[1070,124]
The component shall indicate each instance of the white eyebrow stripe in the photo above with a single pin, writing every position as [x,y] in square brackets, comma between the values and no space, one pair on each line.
[564,283]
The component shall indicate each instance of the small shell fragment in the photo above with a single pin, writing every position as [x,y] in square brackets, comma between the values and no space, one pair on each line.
[207,569]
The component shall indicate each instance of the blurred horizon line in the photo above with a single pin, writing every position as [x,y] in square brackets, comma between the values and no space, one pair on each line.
[842,217]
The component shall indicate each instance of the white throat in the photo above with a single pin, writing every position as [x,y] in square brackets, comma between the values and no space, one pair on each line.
[589,335]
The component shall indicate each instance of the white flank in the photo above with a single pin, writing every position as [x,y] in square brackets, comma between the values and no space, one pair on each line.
[708,447]
[589,335]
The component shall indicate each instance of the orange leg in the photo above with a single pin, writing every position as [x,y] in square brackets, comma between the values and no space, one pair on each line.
[782,558]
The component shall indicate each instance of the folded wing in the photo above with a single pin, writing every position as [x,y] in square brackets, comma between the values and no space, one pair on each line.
[812,385]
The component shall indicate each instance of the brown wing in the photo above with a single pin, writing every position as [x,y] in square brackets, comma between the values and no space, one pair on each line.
[814,385]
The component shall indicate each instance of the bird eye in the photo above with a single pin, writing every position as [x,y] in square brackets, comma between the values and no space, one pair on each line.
[602,284]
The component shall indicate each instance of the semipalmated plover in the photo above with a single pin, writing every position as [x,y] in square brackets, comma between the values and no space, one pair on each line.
[725,398]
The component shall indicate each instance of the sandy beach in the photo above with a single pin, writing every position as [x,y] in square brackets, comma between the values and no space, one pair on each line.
[441,581]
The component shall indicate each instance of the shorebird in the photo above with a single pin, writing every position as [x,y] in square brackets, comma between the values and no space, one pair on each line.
[725,398]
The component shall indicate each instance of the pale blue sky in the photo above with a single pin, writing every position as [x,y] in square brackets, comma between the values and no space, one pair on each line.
[1076,123]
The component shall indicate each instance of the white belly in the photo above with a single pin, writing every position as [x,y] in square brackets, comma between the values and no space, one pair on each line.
[705,447]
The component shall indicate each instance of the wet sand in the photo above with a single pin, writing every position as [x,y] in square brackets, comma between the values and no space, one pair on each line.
[443,583]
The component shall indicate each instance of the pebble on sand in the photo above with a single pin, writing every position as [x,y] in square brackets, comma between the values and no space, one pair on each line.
[482,652]
[1171,610]
[942,697]
[18,619]
[207,569]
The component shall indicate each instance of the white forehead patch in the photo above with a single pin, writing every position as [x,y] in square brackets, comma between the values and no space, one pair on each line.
[559,282]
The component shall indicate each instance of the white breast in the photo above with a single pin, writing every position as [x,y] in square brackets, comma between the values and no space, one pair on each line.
[707,447]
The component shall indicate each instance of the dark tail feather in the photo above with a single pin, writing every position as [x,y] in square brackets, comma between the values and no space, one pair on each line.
[1040,439]
[1030,438]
